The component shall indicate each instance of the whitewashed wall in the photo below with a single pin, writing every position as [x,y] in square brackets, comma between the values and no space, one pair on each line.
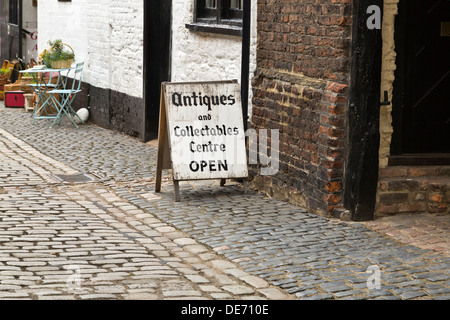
[66,21]
[106,34]
[198,56]
[30,24]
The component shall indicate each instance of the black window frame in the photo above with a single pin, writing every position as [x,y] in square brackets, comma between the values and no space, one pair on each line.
[222,19]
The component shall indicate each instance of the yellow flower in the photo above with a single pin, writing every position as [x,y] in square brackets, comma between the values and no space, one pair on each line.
[43,53]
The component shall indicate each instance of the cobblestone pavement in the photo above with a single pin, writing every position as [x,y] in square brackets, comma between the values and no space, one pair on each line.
[123,241]
[66,241]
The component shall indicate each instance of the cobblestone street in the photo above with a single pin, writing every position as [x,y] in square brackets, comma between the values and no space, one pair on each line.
[109,236]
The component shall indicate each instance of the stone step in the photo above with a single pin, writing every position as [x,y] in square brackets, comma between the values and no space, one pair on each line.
[413,190]
[415,171]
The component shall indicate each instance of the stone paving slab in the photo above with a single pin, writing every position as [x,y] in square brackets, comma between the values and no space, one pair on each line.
[427,231]
[268,241]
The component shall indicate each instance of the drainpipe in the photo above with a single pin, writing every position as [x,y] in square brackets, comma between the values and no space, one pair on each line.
[245,71]
[20,22]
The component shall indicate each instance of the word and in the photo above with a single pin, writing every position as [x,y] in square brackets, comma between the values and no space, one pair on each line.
[197,99]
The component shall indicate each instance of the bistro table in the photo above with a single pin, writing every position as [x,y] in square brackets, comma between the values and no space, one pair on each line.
[45,80]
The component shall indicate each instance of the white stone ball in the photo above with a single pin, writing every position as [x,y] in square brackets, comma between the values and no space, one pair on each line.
[83,114]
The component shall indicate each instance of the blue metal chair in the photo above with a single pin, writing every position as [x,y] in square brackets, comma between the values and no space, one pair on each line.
[41,87]
[66,97]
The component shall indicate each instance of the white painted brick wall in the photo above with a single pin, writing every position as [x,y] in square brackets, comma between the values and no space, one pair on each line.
[29,24]
[127,46]
[106,34]
[198,56]
[66,21]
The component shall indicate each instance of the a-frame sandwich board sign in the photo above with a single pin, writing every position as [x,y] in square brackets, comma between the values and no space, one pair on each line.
[201,133]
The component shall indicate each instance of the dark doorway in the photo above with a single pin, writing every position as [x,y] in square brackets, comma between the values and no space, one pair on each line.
[11,26]
[157,44]
[421,103]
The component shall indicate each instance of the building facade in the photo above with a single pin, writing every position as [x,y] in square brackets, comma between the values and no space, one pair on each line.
[131,47]
[355,88]
[15,44]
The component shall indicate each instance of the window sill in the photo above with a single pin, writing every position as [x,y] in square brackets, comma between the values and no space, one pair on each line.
[224,29]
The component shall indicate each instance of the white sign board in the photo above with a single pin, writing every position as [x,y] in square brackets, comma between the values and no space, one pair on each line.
[204,129]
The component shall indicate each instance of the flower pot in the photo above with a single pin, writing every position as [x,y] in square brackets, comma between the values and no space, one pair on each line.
[2,89]
[62,64]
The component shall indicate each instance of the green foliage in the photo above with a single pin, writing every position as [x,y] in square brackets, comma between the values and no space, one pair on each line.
[4,73]
[56,53]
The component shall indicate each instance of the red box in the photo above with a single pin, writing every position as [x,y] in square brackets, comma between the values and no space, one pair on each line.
[14,99]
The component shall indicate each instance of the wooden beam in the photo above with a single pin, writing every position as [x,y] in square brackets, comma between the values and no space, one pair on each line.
[157,36]
[245,71]
[363,115]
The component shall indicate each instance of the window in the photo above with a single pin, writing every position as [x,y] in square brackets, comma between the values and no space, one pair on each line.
[218,16]
[13,12]
[220,11]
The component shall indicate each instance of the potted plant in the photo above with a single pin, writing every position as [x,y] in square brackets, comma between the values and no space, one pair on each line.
[4,76]
[57,57]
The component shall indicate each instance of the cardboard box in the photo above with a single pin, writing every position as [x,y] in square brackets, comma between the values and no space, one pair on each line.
[24,84]
[13,87]
[26,88]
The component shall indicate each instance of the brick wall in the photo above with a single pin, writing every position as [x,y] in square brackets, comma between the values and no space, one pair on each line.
[301,88]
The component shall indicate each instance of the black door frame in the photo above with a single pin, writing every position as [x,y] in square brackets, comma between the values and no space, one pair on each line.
[245,65]
[398,99]
[363,141]
[157,58]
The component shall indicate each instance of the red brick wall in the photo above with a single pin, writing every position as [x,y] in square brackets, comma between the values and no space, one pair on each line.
[301,88]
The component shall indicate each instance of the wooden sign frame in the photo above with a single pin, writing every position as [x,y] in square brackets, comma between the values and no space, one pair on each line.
[165,156]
